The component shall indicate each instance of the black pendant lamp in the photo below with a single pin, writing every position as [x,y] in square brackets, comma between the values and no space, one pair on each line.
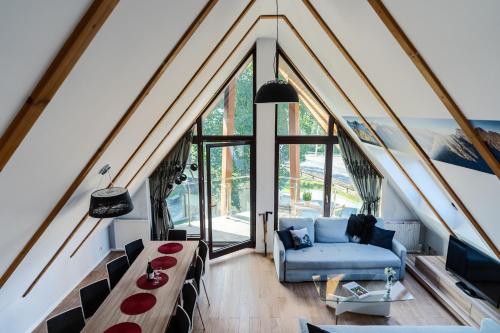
[276,91]
[110,202]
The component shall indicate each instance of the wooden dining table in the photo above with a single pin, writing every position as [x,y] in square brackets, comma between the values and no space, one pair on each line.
[157,318]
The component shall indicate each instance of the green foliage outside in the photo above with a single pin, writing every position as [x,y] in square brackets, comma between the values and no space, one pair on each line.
[243,125]
[307,123]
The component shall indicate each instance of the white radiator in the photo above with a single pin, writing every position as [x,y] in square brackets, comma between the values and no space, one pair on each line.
[125,231]
[407,233]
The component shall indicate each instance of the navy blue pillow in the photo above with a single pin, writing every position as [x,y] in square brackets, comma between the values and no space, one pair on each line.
[286,237]
[382,238]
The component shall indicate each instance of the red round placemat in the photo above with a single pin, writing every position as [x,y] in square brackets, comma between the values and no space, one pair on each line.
[126,327]
[144,283]
[170,248]
[164,262]
[138,303]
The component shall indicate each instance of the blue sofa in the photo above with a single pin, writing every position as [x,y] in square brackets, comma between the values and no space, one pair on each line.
[334,253]
[487,326]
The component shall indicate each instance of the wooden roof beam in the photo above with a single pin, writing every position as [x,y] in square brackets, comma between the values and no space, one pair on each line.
[53,78]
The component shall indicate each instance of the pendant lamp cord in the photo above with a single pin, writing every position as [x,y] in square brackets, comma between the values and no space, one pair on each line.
[275,63]
[111,184]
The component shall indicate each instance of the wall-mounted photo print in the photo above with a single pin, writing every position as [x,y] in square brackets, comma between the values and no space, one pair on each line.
[385,129]
[361,131]
[443,140]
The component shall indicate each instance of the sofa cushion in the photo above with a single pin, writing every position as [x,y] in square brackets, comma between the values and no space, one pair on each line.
[330,230]
[298,223]
[382,238]
[301,238]
[286,237]
[341,255]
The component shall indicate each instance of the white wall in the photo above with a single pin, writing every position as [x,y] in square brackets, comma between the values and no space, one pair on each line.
[142,203]
[266,48]
[391,206]
[24,314]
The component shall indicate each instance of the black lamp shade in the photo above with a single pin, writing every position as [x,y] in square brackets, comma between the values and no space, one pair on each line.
[276,91]
[110,202]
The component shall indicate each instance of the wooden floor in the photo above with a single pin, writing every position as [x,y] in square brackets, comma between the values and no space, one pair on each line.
[246,296]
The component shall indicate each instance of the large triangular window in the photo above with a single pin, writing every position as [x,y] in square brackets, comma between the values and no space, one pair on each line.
[312,178]
[216,201]
[308,117]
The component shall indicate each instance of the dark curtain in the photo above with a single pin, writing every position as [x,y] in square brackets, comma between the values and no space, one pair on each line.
[366,179]
[162,183]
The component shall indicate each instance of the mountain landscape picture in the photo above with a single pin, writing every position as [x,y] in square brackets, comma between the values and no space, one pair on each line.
[361,131]
[443,140]
[385,129]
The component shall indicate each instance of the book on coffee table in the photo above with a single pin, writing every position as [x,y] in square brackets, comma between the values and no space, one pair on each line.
[356,289]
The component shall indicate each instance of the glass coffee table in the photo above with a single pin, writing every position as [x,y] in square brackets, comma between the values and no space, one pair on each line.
[377,302]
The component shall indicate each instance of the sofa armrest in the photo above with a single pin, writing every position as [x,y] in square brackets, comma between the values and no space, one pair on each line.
[279,257]
[400,251]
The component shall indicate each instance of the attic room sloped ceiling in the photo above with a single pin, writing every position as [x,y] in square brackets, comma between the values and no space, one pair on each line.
[133,42]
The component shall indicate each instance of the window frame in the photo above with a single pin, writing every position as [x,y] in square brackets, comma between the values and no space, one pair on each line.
[328,140]
[200,140]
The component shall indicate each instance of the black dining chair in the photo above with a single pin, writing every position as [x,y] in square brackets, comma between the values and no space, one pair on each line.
[70,321]
[203,253]
[189,297]
[176,235]
[116,269]
[133,249]
[179,323]
[198,270]
[92,296]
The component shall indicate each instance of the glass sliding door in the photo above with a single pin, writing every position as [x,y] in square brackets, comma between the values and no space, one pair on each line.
[230,196]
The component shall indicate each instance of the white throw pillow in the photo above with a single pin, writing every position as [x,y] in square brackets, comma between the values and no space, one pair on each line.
[300,238]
